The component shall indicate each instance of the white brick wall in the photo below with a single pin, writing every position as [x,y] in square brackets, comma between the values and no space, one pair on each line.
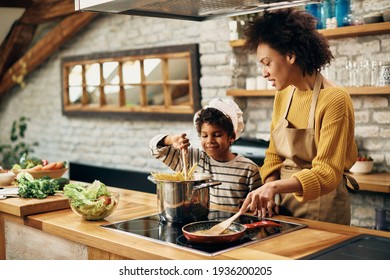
[123,143]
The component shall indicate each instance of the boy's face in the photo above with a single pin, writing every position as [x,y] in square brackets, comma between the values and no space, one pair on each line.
[216,142]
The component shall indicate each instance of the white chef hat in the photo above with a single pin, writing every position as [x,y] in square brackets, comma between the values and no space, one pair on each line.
[230,109]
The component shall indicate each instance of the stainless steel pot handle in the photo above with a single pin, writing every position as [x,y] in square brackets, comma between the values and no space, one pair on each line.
[206,185]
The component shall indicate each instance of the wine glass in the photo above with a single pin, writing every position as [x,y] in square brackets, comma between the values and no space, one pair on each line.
[236,70]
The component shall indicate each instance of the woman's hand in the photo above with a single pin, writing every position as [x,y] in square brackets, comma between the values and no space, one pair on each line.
[262,200]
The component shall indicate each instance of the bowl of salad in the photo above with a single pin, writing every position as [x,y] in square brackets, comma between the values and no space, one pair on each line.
[92,202]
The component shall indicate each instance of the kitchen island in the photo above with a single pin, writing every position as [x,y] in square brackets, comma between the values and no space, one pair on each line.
[95,242]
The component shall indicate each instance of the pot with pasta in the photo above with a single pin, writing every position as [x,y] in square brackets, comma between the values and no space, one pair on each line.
[181,199]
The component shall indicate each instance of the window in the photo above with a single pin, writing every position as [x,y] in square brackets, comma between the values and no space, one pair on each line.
[147,83]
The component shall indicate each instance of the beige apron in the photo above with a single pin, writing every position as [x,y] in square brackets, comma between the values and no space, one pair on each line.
[298,147]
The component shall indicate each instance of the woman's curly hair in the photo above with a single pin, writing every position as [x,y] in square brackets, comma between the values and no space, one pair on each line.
[290,31]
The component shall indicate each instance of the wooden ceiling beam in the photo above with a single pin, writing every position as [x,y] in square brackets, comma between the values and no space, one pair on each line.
[48,10]
[43,49]
[16,44]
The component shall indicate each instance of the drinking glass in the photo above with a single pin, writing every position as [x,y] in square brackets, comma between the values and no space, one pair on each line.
[236,69]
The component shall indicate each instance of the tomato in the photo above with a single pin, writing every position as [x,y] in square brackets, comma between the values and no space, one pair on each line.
[45,162]
[364,158]
[106,199]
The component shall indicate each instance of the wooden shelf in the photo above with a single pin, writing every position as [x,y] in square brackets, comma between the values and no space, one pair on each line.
[368,90]
[271,92]
[248,93]
[357,30]
[343,32]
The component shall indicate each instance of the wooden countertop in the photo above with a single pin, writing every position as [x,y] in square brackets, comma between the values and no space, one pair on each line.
[107,244]
[374,182]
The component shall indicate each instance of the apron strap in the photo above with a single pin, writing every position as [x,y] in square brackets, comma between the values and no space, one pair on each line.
[288,102]
[354,184]
[316,92]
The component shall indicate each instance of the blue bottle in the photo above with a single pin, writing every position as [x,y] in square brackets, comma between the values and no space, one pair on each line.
[341,11]
[326,11]
[315,10]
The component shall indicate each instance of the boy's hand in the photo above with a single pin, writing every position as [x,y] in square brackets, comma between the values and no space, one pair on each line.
[180,141]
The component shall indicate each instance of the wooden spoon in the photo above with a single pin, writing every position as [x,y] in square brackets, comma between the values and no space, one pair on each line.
[222,226]
[184,160]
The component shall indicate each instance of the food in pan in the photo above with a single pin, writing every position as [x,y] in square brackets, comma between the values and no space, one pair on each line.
[204,232]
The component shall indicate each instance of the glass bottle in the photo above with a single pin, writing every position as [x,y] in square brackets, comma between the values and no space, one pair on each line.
[326,11]
[353,73]
[341,12]
[314,10]
[374,73]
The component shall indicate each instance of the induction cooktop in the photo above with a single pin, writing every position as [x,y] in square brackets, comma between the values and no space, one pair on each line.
[154,229]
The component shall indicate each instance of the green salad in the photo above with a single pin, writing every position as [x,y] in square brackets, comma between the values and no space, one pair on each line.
[92,202]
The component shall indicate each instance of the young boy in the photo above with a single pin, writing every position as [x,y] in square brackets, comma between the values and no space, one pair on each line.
[218,124]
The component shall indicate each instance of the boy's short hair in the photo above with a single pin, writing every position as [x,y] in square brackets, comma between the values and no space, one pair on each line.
[215,117]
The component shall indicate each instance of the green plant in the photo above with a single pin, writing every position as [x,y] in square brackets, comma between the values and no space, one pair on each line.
[13,152]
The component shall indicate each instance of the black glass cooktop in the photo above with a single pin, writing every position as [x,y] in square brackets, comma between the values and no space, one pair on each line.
[154,229]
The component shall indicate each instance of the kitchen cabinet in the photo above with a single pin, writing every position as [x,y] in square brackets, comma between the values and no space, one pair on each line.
[337,33]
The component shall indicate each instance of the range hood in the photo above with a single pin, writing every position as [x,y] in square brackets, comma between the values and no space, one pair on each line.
[195,10]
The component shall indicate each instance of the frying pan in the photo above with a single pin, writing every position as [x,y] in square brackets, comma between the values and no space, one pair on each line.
[192,231]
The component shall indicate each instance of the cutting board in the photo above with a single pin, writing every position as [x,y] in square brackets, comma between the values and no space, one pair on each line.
[28,206]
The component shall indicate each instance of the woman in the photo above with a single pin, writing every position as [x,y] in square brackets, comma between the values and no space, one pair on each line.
[312,130]
[218,124]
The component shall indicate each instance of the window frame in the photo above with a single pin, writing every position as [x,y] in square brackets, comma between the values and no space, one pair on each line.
[166,111]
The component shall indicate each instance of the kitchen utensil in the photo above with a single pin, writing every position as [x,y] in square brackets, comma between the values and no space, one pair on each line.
[184,162]
[9,192]
[194,231]
[5,196]
[222,226]
[184,201]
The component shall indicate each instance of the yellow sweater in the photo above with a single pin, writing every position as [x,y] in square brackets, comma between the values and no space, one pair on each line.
[334,135]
